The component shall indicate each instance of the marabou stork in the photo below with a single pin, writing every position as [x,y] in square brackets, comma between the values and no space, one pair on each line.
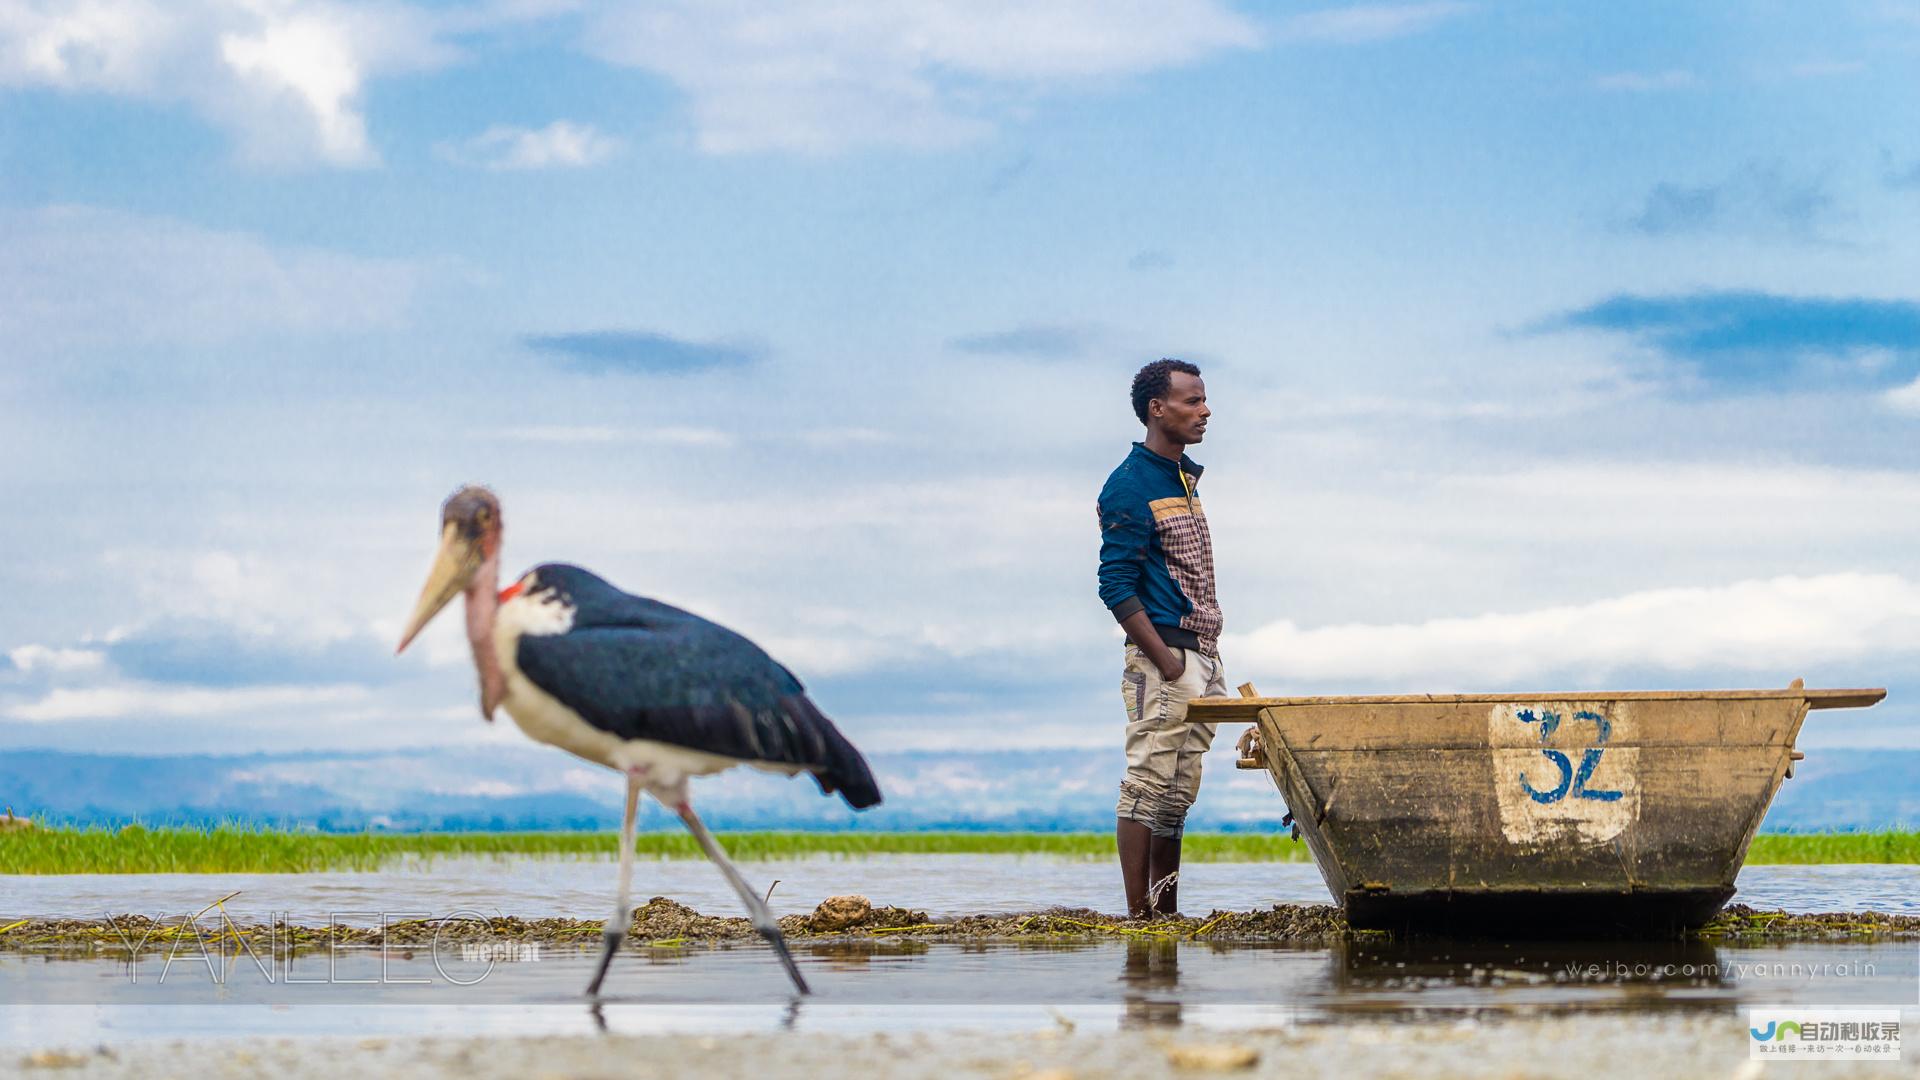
[649,690]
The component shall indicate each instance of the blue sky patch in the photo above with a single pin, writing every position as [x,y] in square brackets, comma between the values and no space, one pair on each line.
[1757,200]
[1026,341]
[1756,339]
[641,352]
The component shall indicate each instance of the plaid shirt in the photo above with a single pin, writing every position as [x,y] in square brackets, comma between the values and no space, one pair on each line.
[1156,554]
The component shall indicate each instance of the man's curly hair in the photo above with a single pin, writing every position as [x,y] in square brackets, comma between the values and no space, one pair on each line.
[1151,382]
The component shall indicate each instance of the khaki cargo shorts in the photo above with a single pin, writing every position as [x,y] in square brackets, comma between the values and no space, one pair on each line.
[1163,750]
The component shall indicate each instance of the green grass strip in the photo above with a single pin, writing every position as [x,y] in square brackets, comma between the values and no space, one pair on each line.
[1874,847]
[248,849]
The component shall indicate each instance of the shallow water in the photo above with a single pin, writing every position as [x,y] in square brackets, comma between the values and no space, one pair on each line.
[942,885]
[921,986]
[878,985]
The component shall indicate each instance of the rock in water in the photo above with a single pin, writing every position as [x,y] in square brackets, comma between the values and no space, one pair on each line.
[1213,1057]
[840,912]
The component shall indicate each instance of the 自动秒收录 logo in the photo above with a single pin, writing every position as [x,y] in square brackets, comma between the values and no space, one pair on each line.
[1824,1033]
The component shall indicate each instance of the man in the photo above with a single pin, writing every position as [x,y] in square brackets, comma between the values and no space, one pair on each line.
[1156,576]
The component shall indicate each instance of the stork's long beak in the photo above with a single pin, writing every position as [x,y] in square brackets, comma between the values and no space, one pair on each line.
[453,569]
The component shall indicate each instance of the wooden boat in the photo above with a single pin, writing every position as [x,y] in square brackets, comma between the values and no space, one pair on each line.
[1555,814]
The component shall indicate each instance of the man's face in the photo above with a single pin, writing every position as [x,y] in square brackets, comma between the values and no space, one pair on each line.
[1183,413]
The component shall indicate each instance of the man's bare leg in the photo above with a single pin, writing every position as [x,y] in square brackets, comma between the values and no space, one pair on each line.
[1134,841]
[1163,873]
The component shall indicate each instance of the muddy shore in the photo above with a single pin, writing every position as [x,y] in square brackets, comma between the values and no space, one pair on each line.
[664,923]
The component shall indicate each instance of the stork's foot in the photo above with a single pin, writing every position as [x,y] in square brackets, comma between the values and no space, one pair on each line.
[612,940]
[779,942]
[763,920]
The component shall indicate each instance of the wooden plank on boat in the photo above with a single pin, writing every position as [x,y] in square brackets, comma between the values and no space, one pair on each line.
[1843,699]
[1251,755]
[1248,710]
[1482,724]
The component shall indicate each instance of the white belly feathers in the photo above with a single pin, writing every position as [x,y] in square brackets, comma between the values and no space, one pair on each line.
[546,719]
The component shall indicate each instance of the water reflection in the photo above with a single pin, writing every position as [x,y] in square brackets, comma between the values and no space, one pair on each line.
[1412,978]
[1150,984]
[857,956]
[1411,964]
[1145,983]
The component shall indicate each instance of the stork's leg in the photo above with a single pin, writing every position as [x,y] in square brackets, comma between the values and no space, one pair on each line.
[763,920]
[616,929]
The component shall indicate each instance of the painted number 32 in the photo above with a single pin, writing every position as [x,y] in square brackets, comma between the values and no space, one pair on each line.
[1572,781]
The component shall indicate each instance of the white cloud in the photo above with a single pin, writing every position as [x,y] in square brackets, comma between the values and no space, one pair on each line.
[922,597]
[143,701]
[665,436]
[1822,69]
[1900,12]
[560,145]
[79,274]
[310,63]
[261,597]
[42,658]
[1663,501]
[1904,399]
[568,434]
[845,436]
[588,781]
[285,77]
[1320,407]
[486,789]
[819,77]
[1775,624]
[97,45]
[1368,22]
[1392,542]
[1647,82]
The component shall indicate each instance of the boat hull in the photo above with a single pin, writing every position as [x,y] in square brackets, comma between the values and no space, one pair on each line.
[1562,815]
[1547,914]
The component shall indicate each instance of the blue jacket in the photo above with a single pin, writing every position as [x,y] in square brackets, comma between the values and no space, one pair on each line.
[1155,551]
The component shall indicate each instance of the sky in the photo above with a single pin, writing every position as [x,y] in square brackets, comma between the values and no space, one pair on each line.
[1551,346]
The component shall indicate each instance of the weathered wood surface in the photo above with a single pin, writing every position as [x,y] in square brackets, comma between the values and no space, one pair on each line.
[1480,723]
[1246,710]
[1461,799]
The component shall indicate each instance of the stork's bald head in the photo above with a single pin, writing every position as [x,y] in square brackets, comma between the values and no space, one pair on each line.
[474,512]
[469,536]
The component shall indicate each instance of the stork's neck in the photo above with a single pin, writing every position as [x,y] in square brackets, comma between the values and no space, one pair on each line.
[483,604]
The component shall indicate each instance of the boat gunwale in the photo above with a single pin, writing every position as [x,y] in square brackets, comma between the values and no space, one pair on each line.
[1816,699]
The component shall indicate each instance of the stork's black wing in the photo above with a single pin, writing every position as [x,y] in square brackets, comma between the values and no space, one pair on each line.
[646,670]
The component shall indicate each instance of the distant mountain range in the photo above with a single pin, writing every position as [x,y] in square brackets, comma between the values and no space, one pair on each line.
[535,788]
